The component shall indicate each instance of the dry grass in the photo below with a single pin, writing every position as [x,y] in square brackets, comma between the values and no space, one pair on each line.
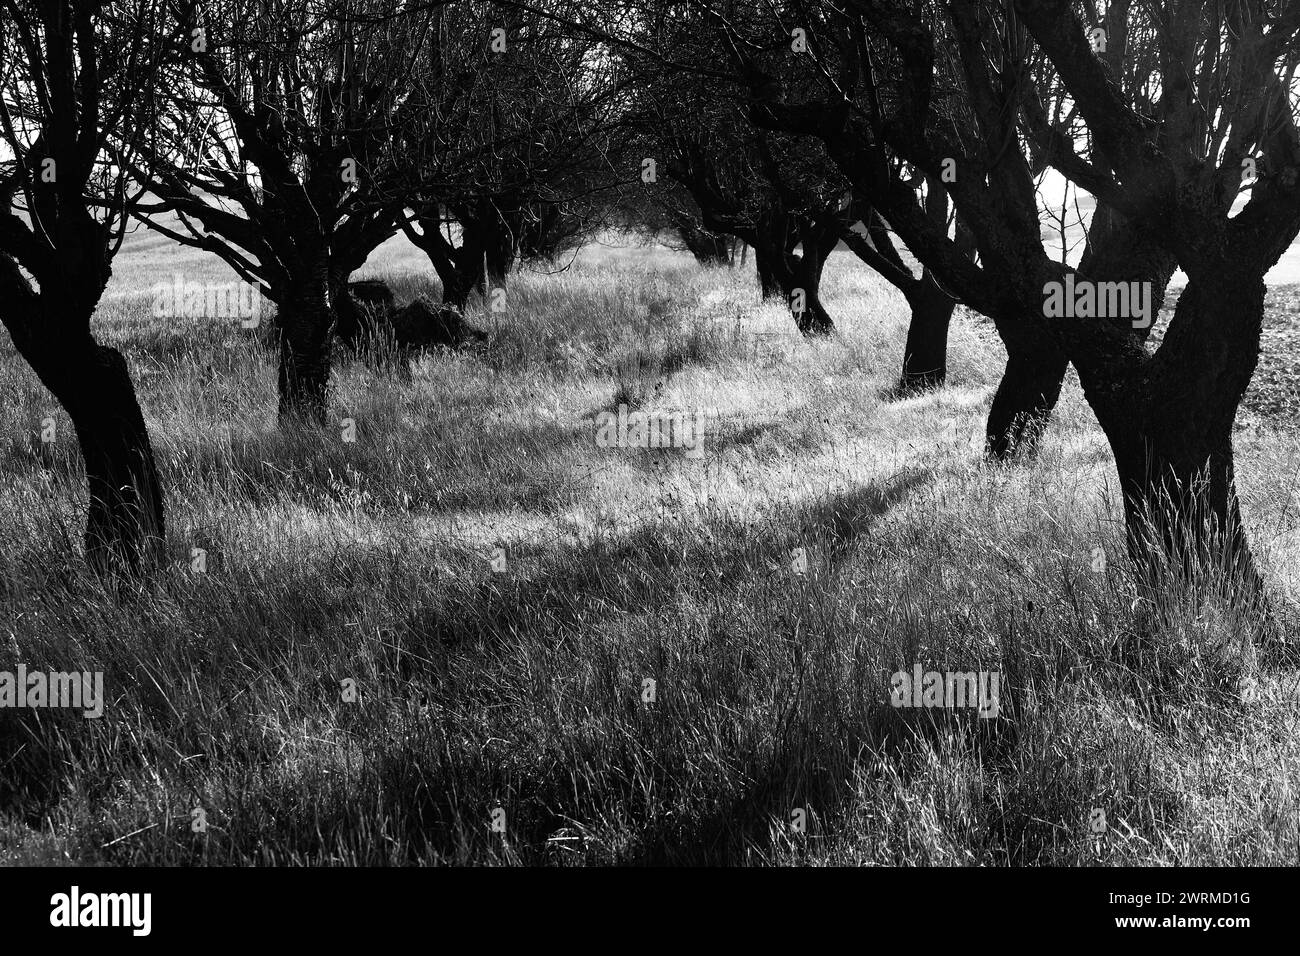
[522,689]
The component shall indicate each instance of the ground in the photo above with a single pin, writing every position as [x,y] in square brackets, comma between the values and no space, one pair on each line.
[435,642]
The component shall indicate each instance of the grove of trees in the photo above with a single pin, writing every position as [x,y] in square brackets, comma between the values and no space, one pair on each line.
[291,138]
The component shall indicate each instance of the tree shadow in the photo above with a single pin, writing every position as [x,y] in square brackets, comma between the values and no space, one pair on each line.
[844,518]
[567,587]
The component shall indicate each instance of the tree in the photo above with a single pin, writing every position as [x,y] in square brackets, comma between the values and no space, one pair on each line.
[1165,149]
[689,55]
[786,204]
[287,152]
[73,72]
[540,113]
[925,353]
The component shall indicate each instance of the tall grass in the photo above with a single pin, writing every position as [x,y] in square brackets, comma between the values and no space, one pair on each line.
[525,689]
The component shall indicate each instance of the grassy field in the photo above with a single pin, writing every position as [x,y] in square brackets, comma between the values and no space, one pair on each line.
[515,694]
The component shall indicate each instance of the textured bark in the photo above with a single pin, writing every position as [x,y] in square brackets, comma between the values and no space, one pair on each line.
[925,356]
[306,328]
[798,277]
[1171,434]
[125,519]
[817,242]
[124,523]
[765,264]
[708,248]
[348,322]
[1026,396]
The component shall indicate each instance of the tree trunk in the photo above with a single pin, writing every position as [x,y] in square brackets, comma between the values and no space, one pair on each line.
[1031,385]
[347,317]
[499,251]
[806,270]
[465,275]
[457,287]
[1171,434]
[765,258]
[306,336]
[486,255]
[124,523]
[1026,396]
[925,356]
[812,319]
[1180,502]
[709,249]
[125,520]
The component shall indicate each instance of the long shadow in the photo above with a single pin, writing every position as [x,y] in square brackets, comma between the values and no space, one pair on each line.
[571,586]
[477,617]
[557,579]
[845,518]
[652,372]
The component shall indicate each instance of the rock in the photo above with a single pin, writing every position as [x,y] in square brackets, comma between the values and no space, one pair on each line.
[371,292]
[423,324]
[364,311]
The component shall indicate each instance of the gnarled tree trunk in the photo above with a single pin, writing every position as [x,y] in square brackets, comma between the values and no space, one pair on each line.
[798,277]
[125,519]
[1031,385]
[124,522]
[1026,396]
[460,269]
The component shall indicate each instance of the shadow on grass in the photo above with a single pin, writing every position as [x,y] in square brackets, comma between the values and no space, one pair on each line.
[524,691]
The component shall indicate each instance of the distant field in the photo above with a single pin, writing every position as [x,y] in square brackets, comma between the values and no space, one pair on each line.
[523,689]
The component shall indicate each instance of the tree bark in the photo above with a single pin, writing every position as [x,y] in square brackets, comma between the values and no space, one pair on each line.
[306,335]
[496,256]
[1026,396]
[812,319]
[1170,430]
[798,277]
[765,259]
[1180,502]
[1022,408]
[925,356]
[124,522]
[487,250]
[347,317]
[806,271]
[708,248]
[460,269]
